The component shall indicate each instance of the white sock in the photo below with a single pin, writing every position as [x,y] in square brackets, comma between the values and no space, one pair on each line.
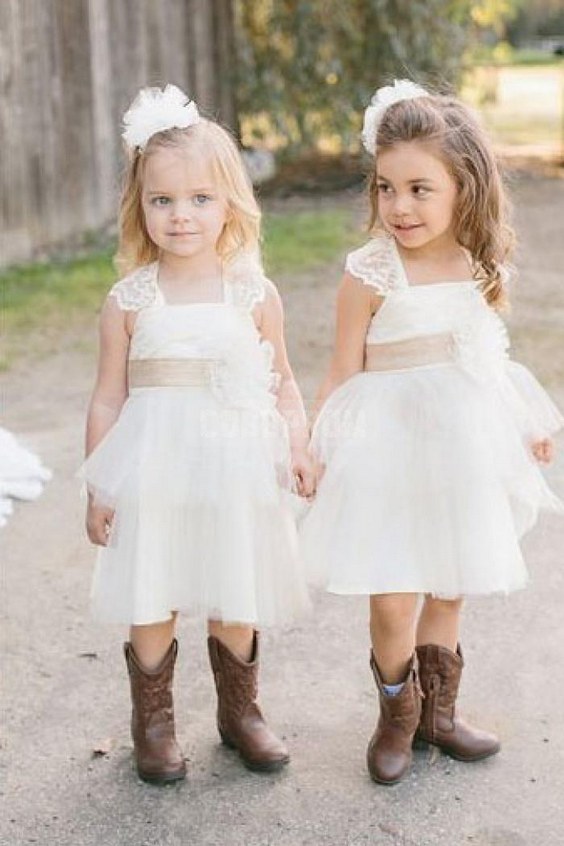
[393,689]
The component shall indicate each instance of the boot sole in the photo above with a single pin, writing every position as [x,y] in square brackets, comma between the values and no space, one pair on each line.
[388,783]
[161,780]
[262,767]
[420,743]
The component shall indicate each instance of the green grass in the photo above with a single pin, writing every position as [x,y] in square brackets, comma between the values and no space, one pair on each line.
[36,294]
[301,241]
[503,55]
[42,299]
[535,57]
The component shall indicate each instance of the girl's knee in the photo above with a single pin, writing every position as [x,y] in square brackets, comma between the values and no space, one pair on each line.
[437,605]
[392,614]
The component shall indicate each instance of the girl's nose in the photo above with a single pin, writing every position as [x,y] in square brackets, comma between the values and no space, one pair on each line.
[181,210]
[402,204]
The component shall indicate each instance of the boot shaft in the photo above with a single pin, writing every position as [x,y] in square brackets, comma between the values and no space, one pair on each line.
[239,718]
[440,671]
[388,756]
[158,757]
[404,708]
[151,691]
[236,681]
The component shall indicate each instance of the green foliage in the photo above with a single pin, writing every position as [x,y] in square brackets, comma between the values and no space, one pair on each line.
[312,67]
[34,293]
[304,240]
[503,53]
[536,18]
[495,14]
[49,296]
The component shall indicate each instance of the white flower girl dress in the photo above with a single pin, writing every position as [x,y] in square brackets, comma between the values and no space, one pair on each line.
[197,467]
[429,481]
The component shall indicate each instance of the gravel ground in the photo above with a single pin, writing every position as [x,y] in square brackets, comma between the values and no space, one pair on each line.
[64,687]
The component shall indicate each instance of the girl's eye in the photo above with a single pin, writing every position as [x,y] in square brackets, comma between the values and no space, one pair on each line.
[201,199]
[160,201]
[383,188]
[420,190]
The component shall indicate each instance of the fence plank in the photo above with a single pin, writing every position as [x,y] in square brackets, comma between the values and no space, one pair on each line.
[67,72]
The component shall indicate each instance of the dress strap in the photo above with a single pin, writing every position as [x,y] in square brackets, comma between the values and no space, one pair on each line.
[245,282]
[377,264]
[137,290]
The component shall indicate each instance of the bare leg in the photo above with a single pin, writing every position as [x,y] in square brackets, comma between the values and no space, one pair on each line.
[439,622]
[234,659]
[151,643]
[440,669]
[238,639]
[392,632]
[150,659]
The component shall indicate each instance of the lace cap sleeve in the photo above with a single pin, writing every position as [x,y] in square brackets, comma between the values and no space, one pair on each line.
[138,290]
[246,280]
[375,264]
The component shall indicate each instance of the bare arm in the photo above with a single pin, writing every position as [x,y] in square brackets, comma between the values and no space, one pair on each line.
[356,305]
[110,390]
[290,403]
[107,399]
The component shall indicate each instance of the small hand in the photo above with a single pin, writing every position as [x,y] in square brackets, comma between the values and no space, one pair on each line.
[543,450]
[319,472]
[98,524]
[303,468]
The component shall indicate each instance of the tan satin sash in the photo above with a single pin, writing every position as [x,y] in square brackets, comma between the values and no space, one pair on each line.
[169,372]
[412,352]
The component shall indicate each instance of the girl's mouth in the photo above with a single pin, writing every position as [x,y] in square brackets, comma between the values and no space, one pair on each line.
[406,227]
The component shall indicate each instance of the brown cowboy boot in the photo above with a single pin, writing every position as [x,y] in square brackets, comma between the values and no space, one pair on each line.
[389,752]
[439,672]
[239,720]
[157,754]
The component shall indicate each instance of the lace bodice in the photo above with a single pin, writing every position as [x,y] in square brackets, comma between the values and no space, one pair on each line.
[243,278]
[223,332]
[411,311]
[377,264]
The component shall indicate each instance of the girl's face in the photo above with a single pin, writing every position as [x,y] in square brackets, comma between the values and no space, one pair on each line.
[184,212]
[416,195]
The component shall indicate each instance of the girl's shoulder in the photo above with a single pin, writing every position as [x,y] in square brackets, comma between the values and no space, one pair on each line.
[137,290]
[376,264]
[246,280]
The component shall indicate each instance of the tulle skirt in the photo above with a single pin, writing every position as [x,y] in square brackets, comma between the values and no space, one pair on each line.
[429,482]
[203,519]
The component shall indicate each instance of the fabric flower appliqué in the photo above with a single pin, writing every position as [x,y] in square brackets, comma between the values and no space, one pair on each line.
[244,378]
[402,89]
[481,348]
[154,111]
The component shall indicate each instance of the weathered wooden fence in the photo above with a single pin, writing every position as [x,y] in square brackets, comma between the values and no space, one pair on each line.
[68,70]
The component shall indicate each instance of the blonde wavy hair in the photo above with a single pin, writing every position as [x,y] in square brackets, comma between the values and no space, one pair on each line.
[242,228]
[482,207]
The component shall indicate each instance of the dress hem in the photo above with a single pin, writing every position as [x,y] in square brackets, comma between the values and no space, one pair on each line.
[198,613]
[437,594]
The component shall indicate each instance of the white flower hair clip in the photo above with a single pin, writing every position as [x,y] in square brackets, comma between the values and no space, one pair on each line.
[402,89]
[153,111]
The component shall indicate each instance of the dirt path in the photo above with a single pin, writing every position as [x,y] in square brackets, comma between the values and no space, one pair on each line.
[64,690]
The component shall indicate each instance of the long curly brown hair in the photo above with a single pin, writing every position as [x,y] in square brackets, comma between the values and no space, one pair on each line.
[482,208]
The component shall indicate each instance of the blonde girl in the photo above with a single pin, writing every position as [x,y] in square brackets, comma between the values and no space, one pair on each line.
[196,432]
[429,434]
